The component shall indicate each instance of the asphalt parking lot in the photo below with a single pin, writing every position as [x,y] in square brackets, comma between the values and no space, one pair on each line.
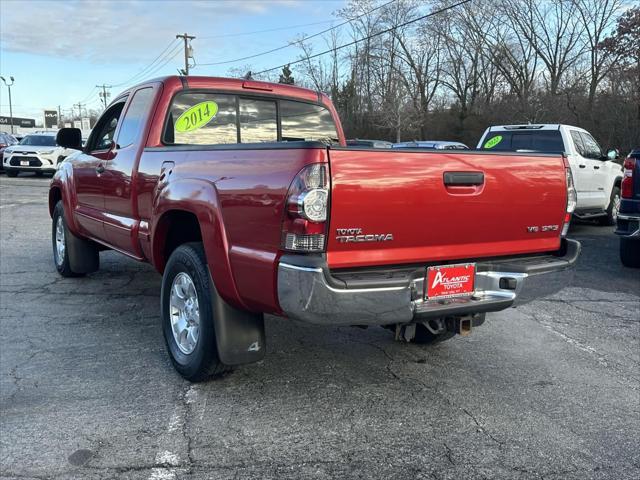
[550,390]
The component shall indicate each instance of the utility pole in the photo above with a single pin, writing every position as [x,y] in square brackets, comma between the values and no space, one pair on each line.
[187,51]
[104,94]
[79,105]
[10,106]
[59,117]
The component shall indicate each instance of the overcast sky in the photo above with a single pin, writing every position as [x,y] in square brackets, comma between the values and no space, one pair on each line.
[57,51]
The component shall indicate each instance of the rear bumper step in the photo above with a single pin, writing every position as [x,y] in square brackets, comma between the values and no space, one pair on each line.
[307,291]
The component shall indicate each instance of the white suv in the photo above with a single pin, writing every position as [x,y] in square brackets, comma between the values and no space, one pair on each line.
[36,152]
[596,176]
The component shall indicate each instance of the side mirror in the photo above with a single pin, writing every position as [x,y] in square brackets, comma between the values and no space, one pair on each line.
[69,138]
[613,154]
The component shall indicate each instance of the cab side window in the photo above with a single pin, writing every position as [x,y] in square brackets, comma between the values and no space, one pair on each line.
[577,141]
[131,128]
[103,132]
[591,148]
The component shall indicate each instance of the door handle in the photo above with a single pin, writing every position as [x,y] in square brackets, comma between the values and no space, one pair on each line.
[165,171]
[100,169]
[596,167]
[463,179]
[582,166]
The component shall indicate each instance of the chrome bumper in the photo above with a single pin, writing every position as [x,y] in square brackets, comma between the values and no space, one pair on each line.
[306,292]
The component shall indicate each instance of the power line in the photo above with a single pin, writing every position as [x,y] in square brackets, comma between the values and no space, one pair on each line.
[365,38]
[227,35]
[149,73]
[169,57]
[144,70]
[224,62]
[89,96]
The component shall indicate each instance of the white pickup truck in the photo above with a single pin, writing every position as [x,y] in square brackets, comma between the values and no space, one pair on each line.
[596,176]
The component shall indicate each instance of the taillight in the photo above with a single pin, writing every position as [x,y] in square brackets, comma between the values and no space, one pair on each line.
[572,200]
[304,227]
[626,187]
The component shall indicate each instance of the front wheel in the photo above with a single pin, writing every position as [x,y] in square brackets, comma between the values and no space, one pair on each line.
[630,252]
[187,314]
[613,208]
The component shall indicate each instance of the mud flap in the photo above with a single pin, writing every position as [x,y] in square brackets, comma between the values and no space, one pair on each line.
[83,255]
[239,334]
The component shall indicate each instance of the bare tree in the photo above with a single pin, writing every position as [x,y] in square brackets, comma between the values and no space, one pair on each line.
[551,27]
[597,18]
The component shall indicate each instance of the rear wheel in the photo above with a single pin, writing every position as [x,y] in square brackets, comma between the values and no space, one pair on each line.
[612,209]
[630,252]
[187,314]
[12,173]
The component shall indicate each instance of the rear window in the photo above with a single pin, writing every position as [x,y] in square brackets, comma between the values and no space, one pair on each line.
[209,118]
[258,121]
[547,141]
[39,140]
[306,121]
[202,119]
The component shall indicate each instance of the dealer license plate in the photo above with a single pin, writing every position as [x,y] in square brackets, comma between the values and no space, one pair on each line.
[450,281]
[24,163]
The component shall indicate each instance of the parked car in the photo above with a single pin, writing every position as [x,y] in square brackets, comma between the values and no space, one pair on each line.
[432,145]
[361,142]
[6,140]
[36,152]
[629,216]
[597,176]
[243,195]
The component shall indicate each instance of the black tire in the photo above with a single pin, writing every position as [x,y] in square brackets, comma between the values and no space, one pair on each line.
[426,337]
[203,361]
[612,210]
[12,173]
[61,261]
[630,252]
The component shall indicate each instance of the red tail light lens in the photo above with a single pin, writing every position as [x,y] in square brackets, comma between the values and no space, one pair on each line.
[304,226]
[626,187]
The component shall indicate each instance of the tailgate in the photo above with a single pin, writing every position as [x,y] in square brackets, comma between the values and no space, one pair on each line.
[402,207]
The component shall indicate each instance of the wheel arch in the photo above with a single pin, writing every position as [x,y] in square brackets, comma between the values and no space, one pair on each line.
[617,182]
[185,211]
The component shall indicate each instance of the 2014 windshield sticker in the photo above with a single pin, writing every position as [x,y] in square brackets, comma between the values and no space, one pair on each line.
[197,116]
[492,142]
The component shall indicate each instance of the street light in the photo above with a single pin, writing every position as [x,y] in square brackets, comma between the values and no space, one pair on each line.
[10,107]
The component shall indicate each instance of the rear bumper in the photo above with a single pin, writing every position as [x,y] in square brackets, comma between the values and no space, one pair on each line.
[307,292]
[628,225]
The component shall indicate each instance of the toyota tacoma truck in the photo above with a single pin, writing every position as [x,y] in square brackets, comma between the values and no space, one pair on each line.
[597,176]
[245,197]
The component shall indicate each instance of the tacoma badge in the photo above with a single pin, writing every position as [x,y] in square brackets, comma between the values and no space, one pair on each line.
[348,235]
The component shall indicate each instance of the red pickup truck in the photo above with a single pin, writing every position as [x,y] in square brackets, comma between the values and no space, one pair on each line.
[245,197]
